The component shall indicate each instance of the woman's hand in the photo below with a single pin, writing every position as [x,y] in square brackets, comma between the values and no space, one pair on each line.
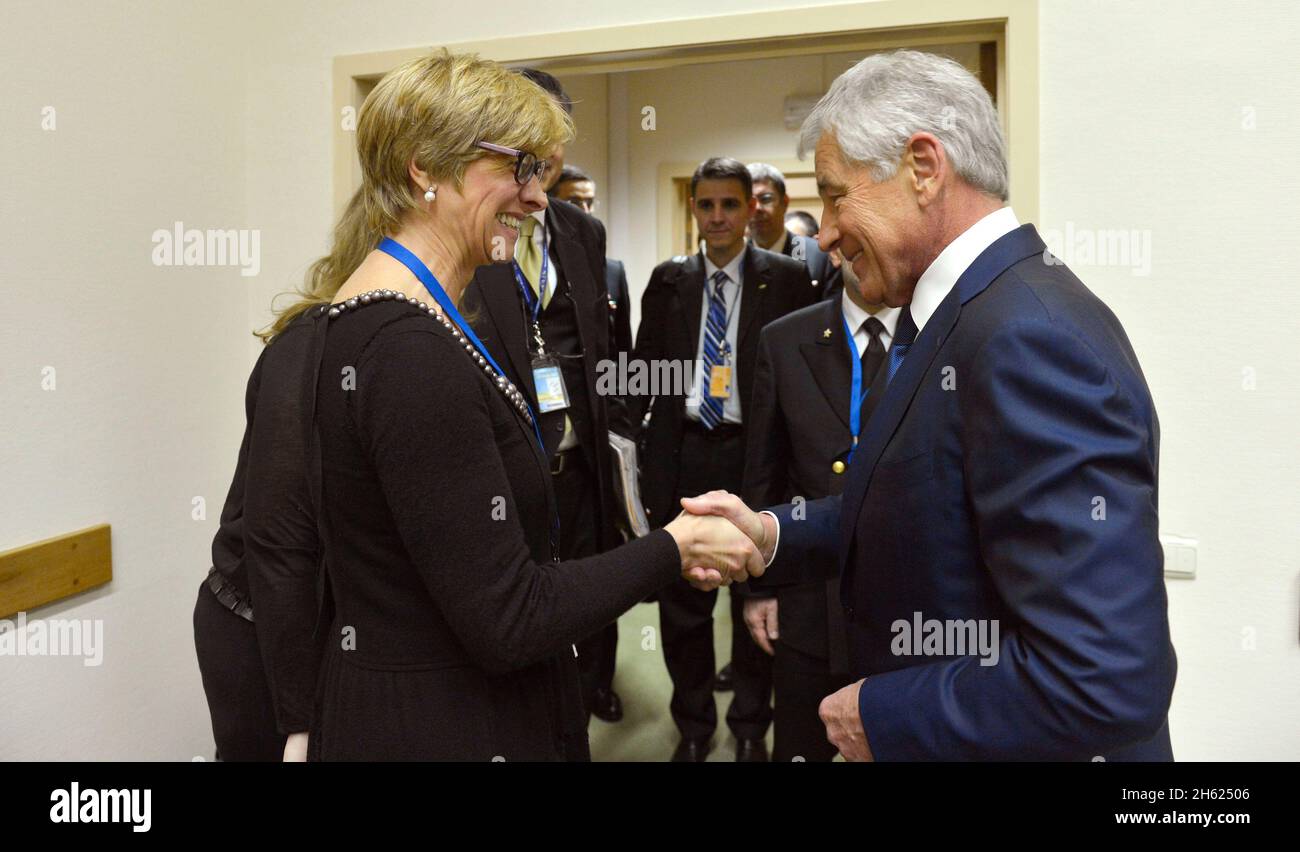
[295,748]
[714,551]
[761,528]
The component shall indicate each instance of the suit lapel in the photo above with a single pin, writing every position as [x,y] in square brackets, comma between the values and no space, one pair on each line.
[997,258]
[571,261]
[828,360]
[690,286]
[756,278]
[500,297]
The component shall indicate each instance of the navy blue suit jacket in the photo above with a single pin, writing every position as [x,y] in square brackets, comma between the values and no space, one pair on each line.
[1008,476]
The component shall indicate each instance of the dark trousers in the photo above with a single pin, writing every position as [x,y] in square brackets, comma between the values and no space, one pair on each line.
[239,699]
[686,617]
[801,681]
[575,497]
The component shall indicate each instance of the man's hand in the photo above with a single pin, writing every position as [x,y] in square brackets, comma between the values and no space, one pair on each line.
[843,721]
[713,551]
[760,618]
[761,529]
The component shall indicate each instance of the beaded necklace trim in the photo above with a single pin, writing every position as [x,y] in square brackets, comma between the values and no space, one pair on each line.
[507,387]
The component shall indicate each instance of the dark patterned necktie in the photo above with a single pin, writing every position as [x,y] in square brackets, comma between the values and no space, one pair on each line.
[873,358]
[904,334]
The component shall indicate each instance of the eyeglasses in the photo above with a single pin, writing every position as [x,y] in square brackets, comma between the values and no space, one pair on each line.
[527,166]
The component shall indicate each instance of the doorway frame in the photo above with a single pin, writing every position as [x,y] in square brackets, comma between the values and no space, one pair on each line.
[882,24]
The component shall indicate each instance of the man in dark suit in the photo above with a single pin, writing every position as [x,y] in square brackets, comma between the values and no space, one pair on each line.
[997,536]
[597,655]
[811,375]
[768,231]
[546,316]
[579,189]
[708,310]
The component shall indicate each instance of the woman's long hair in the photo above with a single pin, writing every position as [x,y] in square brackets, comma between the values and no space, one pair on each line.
[430,111]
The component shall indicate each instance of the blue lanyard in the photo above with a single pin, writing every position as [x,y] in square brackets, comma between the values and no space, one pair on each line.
[533,301]
[855,398]
[400,252]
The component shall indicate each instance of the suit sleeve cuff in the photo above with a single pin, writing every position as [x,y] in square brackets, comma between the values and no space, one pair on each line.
[776,543]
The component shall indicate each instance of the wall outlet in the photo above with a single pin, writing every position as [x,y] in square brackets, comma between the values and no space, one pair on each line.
[1180,556]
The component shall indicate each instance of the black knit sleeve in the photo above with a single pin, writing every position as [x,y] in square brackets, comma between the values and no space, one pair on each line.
[281,545]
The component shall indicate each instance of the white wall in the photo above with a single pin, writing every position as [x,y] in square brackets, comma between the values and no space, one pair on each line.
[1142,128]
[220,116]
[145,414]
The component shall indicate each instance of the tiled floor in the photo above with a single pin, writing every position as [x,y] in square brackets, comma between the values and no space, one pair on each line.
[647,731]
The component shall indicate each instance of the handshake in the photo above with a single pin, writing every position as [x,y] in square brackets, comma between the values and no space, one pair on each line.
[721,540]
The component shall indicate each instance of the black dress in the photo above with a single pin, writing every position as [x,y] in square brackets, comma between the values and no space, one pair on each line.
[453,631]
[259,676]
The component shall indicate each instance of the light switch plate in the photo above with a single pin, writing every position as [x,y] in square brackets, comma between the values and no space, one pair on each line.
[1180,556]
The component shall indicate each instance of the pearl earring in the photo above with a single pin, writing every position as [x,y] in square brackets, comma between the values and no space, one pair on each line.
[430,194]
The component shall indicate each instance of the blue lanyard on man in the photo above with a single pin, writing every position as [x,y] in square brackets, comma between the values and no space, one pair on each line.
[855,397]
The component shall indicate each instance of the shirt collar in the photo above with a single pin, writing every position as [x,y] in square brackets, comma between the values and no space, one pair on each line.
[540,216]
[781,242]
[856,317]
[941,276]
[732,269]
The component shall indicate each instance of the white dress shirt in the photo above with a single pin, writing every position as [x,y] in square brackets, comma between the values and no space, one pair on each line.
[940,277]
[731,303]
[781,242]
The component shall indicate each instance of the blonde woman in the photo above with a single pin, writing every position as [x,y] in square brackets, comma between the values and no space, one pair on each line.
[453,626]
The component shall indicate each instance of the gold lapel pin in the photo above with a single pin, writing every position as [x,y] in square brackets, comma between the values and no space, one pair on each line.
[826,333]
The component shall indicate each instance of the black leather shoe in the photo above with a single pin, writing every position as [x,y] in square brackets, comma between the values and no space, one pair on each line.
[692,751]
[607,706]
[724,681]
[751,751]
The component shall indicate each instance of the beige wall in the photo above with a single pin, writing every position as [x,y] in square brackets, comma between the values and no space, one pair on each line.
[202,117]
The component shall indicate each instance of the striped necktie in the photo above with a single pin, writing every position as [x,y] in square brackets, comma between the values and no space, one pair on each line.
[715,340]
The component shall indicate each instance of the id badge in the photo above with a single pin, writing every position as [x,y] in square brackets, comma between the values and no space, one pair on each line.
[720,382]
[552,395]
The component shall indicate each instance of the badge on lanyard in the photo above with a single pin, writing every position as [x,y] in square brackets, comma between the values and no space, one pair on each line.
[720,376]
[552,395]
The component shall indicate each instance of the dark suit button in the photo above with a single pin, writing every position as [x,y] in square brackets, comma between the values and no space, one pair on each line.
[559,427]
[848,612]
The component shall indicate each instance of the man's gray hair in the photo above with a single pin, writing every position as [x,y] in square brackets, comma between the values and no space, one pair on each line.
[876,106]
[771,174]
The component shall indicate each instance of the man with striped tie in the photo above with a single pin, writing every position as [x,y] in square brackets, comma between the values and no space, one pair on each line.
[709,309]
